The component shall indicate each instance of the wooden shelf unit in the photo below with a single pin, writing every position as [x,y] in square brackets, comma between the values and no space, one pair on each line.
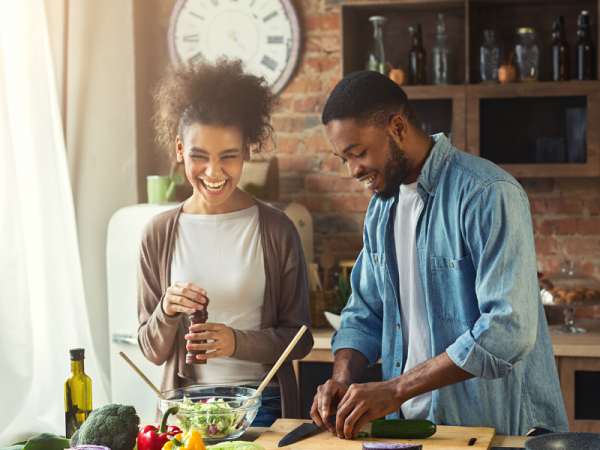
[466,20]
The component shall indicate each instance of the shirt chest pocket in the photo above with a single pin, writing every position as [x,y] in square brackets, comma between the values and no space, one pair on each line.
[454,290]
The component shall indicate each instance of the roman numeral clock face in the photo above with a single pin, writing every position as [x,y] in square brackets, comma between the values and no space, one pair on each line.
[265,34]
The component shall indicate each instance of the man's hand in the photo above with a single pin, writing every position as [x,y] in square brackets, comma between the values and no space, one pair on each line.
[223,340]
[326,403]
[364,403]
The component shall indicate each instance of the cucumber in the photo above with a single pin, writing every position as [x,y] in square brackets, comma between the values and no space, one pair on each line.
[403,429]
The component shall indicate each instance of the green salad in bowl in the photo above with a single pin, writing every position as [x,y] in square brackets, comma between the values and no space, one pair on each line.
[217,413]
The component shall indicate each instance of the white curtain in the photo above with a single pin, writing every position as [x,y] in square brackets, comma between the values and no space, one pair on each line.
[42,307]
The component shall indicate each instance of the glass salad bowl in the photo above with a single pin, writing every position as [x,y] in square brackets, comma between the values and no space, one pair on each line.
[569,289]
[218,413]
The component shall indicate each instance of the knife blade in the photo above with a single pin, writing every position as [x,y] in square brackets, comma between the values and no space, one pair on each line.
[298,433]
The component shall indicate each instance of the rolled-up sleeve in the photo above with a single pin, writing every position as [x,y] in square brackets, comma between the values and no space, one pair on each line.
[362,319]
[499,234]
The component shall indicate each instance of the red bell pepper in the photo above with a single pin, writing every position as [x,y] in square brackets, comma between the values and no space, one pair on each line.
[151,438]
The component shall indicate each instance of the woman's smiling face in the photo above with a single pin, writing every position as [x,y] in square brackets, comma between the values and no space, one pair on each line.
[213,157]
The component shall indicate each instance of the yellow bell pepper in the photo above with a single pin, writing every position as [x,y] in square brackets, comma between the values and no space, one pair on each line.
[190,440]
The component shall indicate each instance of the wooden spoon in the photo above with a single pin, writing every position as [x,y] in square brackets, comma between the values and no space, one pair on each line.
[327,262]
[272,373]
[148,382]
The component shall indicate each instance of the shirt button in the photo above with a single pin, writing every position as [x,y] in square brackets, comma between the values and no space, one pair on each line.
[452,264]
[377,258]
[397,364]
[397,325]
[431,190]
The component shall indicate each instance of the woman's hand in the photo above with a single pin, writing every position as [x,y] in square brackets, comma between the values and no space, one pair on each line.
[183,297]
[223,340]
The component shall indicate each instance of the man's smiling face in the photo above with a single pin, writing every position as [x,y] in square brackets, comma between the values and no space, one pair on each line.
[373,155]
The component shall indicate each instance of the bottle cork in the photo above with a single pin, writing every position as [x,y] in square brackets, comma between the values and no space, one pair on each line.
[197,317]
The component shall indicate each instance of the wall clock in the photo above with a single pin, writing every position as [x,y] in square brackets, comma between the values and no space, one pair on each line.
[265,34]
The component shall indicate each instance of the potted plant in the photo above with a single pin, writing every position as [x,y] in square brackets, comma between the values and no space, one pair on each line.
[343,291]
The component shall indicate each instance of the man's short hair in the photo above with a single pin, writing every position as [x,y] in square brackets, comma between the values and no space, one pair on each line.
[368,97]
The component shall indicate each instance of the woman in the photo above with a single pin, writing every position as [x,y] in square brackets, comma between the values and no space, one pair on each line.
[221,244]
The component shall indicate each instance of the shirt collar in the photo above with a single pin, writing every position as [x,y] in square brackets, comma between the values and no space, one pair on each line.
[432,170]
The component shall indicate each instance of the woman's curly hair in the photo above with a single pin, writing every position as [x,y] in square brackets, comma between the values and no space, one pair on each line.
[219,93]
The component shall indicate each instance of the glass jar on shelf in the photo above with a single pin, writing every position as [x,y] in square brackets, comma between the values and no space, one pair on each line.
[490,57]
[376,60]
[528,47]
[569,289]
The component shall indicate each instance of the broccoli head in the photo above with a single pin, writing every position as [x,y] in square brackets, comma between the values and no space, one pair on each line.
[114,426]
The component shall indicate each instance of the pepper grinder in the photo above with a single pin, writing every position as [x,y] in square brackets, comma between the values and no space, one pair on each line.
[197,317]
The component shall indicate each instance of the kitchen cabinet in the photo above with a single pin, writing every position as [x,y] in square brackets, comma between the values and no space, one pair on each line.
[520,126]
[577,358]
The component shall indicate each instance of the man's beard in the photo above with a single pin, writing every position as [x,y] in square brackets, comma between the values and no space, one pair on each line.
[396,170]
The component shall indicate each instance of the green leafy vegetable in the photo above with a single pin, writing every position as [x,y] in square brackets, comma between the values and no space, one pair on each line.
[213,419]
[44,441]
[343,291]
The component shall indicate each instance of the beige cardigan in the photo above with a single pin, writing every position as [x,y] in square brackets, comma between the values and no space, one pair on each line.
[285,309]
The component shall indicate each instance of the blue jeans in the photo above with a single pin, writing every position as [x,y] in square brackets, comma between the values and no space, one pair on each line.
[270,409]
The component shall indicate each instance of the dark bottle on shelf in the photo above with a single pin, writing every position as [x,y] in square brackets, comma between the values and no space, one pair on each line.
[78,394]
[416,57]
[586,50]
[560,51]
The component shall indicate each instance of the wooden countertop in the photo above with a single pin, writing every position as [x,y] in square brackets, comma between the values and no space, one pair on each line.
[254,433]
[582,345]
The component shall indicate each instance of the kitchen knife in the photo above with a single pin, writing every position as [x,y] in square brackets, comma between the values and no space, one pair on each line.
[298,433]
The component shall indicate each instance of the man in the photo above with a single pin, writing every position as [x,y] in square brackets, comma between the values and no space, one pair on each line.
[445,290]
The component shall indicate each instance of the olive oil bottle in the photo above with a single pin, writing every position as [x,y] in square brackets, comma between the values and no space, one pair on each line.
[78,394]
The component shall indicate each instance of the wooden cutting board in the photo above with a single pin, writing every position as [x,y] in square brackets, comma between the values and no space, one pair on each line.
[447,438]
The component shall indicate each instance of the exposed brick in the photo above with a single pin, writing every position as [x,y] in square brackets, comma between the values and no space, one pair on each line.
[588,226]
[559,226]
[538,185]
[545,246]
[287,124]
[314,203]
[311,121]
[316,144]
[352,242]
[308,104]
[537,205]
[349,223]
[582,246]
[320,64]
[586,267]
[304,85]
[290,184]
[349,204]
[333,82]
[331,43]
[313,44]
[287,144]
[322,22]
[285,104]
[322,183]
[331,163]
[547,266]
[593,206]
[564,206]
[297,163]
[582,187]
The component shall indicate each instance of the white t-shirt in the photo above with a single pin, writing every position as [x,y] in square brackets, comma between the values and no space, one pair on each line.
[222,253]
[416,336]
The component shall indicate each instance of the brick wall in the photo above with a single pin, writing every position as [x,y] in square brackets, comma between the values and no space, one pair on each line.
[565,211]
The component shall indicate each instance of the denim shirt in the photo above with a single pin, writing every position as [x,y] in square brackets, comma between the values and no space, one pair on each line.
[478,268]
